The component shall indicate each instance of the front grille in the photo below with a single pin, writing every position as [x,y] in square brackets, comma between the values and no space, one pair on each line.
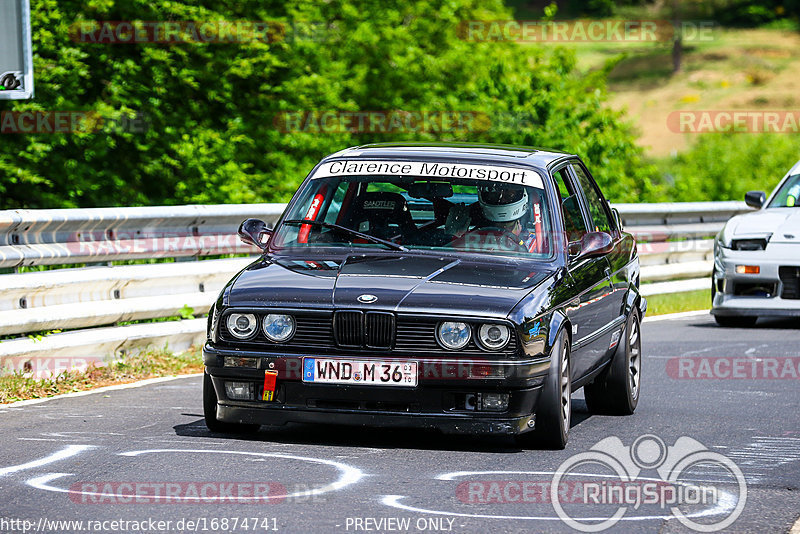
[354,331]
[379,329]
[418,336]
[313,330]
[753,289]
[790,276]
[374,330]
[348,327]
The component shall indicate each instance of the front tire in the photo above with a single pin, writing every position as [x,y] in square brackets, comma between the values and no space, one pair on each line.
[210,412]
[616,390]
[554,410]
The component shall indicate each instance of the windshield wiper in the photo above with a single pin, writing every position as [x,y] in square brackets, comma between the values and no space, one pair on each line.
[371,238]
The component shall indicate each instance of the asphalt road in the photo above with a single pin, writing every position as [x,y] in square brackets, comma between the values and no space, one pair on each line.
[78,459]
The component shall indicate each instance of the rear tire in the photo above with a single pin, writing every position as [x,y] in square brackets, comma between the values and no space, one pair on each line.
[616,390]
[210,413]
[736,322]
[554,410]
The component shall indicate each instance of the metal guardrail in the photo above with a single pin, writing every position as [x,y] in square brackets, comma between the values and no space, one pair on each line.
[674,243]
[70,236]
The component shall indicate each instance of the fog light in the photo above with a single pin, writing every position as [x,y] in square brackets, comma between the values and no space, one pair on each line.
[494,402]
[235,361]
[748,269]
[239,390]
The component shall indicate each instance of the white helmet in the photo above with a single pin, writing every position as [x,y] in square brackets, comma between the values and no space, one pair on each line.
[503,203]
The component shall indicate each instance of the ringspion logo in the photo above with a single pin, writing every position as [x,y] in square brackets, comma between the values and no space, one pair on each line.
[678,482]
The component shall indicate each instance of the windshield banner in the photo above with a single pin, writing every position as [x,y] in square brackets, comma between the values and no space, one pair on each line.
[510,175]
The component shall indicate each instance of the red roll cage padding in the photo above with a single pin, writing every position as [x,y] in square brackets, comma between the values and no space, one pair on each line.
[311,215]
[539,244]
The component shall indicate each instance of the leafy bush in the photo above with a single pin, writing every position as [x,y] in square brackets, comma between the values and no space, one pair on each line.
[208,109]
[726,166]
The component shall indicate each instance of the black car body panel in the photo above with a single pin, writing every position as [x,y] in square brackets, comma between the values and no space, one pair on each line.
[588,297]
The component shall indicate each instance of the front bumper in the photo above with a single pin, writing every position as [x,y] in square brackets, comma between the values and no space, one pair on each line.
[755,295]
[436,402]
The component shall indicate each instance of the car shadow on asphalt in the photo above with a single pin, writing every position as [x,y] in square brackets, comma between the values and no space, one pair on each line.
[764,323]
[379,438]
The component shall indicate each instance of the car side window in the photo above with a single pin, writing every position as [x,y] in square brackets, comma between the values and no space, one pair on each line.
[601,222]
[574,223]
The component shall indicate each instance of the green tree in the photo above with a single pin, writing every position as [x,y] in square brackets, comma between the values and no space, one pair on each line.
[725,166]
[209,109]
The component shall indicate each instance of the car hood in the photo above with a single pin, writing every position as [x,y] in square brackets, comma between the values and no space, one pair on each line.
[782,223]
[403,283]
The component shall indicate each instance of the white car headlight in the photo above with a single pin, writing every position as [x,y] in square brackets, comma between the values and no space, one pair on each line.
[278,327]
[453,335]
[494,336]
[242,325]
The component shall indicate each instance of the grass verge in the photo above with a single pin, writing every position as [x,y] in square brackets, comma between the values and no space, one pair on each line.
[16,387]
[678,302]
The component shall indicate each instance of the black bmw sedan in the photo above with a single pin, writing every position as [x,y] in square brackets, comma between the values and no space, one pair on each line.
[468,288]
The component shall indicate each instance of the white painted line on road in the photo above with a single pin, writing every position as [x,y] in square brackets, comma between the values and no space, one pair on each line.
[103,389]
[63,454]
[349,475]
[795,527]
[680,315]
[724,506]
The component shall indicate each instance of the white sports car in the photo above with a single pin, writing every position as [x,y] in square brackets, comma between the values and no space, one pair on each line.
[757,258]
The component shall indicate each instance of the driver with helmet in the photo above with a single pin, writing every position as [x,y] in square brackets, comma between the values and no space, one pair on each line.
[504,209]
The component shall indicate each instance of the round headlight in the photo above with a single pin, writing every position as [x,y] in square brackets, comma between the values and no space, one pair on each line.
[453,335]
[242,325]
[494,336]
[278,327]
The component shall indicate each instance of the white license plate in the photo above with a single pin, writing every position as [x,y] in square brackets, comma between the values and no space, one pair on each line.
[361,372]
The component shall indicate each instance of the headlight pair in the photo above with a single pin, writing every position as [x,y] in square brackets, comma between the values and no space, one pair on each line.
[278,327]
[455,335]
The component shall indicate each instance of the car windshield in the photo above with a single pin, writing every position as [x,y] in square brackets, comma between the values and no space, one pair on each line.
[421,206]
[788,196]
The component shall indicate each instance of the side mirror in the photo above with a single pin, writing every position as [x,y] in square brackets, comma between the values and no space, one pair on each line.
[255,232]
[595,244]
[755,199]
